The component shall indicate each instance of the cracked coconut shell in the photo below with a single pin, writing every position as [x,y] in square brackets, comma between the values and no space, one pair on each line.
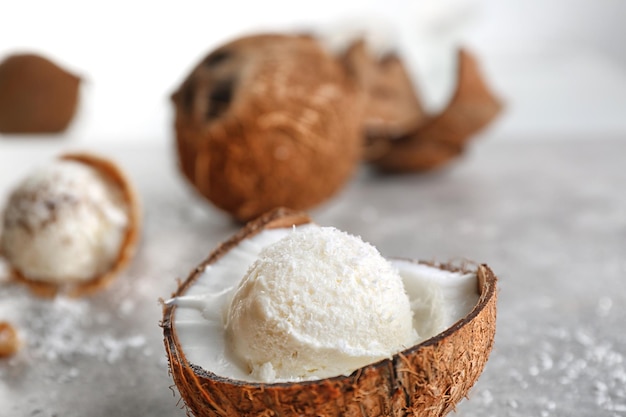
[113,173]
[427,379]
[36,95]
[267,121]
[424,142]
[392,105]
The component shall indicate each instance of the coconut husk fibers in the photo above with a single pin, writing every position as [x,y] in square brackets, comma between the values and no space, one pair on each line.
[442,137]
[267,121]
[113,173]
[426,380]
[392,104]
[36,95]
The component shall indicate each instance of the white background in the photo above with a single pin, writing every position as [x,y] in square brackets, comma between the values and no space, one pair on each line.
[560,65]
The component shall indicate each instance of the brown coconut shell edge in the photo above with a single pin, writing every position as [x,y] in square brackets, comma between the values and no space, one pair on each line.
[128,248]
[428,379]
[10,342]
[442,137]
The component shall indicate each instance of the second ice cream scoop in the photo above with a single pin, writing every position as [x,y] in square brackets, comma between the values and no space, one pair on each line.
[69,222]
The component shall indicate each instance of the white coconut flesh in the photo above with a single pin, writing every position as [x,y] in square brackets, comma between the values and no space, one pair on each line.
[238,320]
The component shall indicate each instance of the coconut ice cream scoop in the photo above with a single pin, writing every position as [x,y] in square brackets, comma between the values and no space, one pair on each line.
[289,318]
[64,223]
[69,223]
[270,324]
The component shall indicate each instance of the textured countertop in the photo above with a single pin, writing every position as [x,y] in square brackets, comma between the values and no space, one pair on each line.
[549,217]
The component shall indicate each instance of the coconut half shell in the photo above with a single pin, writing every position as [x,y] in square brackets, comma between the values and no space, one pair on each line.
[113,172]
[267,121]
[443,137]
[36,95]
[428,379]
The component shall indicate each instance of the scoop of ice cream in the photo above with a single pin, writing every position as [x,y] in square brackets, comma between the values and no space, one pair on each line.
[318,303]
[64,223]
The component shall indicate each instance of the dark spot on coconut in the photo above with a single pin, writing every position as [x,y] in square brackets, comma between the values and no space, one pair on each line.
[187,95]
[50,204]
[220,98]
[217,58]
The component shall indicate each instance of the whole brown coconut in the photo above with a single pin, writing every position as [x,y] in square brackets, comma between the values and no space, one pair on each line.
[267,121]
[36,95]
[426,380]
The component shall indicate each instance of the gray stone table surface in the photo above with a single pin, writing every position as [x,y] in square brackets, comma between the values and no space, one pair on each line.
[549,217]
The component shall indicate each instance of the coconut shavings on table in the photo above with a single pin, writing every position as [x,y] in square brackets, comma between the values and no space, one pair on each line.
[63,329]
[549,369]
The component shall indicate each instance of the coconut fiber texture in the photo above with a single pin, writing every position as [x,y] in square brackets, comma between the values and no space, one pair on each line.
[267,121]
[428,379]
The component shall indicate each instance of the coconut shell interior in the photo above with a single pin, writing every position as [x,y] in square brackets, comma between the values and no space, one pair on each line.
[426,380]
[392,104]
[129,245]
[267,121]
[36,95]
[443,137]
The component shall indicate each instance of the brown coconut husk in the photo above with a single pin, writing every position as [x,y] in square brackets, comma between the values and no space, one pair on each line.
[9,340]
[428,379]
[392,104]
[113,172]
[36,95]
[267,121]
[442,137]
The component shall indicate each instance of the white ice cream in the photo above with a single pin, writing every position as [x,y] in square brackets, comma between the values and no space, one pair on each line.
[64,223]
[317,303]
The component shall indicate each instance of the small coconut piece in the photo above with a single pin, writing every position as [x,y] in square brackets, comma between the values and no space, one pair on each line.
[442,137]
[36,95]
[71,226]
[427,379]
[9,340]
[267,121]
